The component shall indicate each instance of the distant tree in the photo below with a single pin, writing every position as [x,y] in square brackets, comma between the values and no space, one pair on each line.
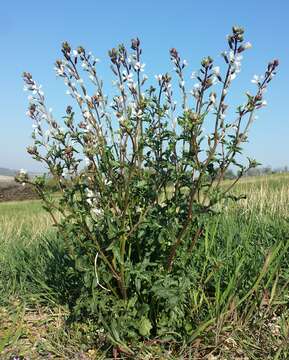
[229,174]
[254,172]
[266,170]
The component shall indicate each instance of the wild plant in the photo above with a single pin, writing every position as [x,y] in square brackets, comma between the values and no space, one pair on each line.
[138,177]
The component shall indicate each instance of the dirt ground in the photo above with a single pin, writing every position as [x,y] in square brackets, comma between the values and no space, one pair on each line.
[12,191]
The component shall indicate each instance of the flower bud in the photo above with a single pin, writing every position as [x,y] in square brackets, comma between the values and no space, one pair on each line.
[237,30]
[80,50]
[27,75]
[66,47]
[193,116]
[32,109]
[213,98]
[245,46]
[69,152]
[32,150]
[135,43]
[174,54]
[113,55]
[207,61]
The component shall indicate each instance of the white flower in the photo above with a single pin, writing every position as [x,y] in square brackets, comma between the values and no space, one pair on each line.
[59,72]
[216,70]
[182,83]
[75,53]
[195,91]
[107,182]
[264,103]
[97,211]
[238,57]
[237,63]
[231,56]
[87,161]
[214,80]
[23,172]
[145,77]
[159,77]
[193,75]
[86,114]
[256,79]
[127,77]
[139,67]
[174,123]
[78,96]
[237,68]
[80,81]
[84,65]
[89,128]
[88,98]
[90,194]
[47,133]
[247,45]
[232,76]
[185,63]
[212,98]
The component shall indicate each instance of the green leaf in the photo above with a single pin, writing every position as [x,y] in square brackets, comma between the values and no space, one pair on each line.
[144,326]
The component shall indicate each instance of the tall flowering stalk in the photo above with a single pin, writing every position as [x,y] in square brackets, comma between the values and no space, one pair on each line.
[138,175]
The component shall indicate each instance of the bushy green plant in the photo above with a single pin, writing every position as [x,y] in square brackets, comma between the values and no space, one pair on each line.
[139,177]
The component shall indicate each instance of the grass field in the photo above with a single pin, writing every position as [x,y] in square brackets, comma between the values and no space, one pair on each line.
[244,254]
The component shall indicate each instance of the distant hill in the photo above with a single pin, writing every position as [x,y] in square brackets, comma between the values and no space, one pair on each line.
[13,172]
[7,172]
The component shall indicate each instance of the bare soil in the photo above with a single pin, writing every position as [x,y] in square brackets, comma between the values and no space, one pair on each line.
[12,191]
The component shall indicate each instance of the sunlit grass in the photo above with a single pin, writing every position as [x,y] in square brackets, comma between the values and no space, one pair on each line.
[264,195]
[23,217]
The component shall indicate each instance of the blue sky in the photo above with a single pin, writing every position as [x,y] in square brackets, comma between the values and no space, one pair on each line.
[31,33]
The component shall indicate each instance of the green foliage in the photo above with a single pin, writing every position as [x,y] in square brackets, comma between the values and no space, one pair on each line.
[139,184]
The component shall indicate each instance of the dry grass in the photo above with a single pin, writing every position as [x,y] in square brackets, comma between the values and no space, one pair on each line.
[265,195]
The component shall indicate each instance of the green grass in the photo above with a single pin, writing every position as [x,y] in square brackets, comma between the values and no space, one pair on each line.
[242,298]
